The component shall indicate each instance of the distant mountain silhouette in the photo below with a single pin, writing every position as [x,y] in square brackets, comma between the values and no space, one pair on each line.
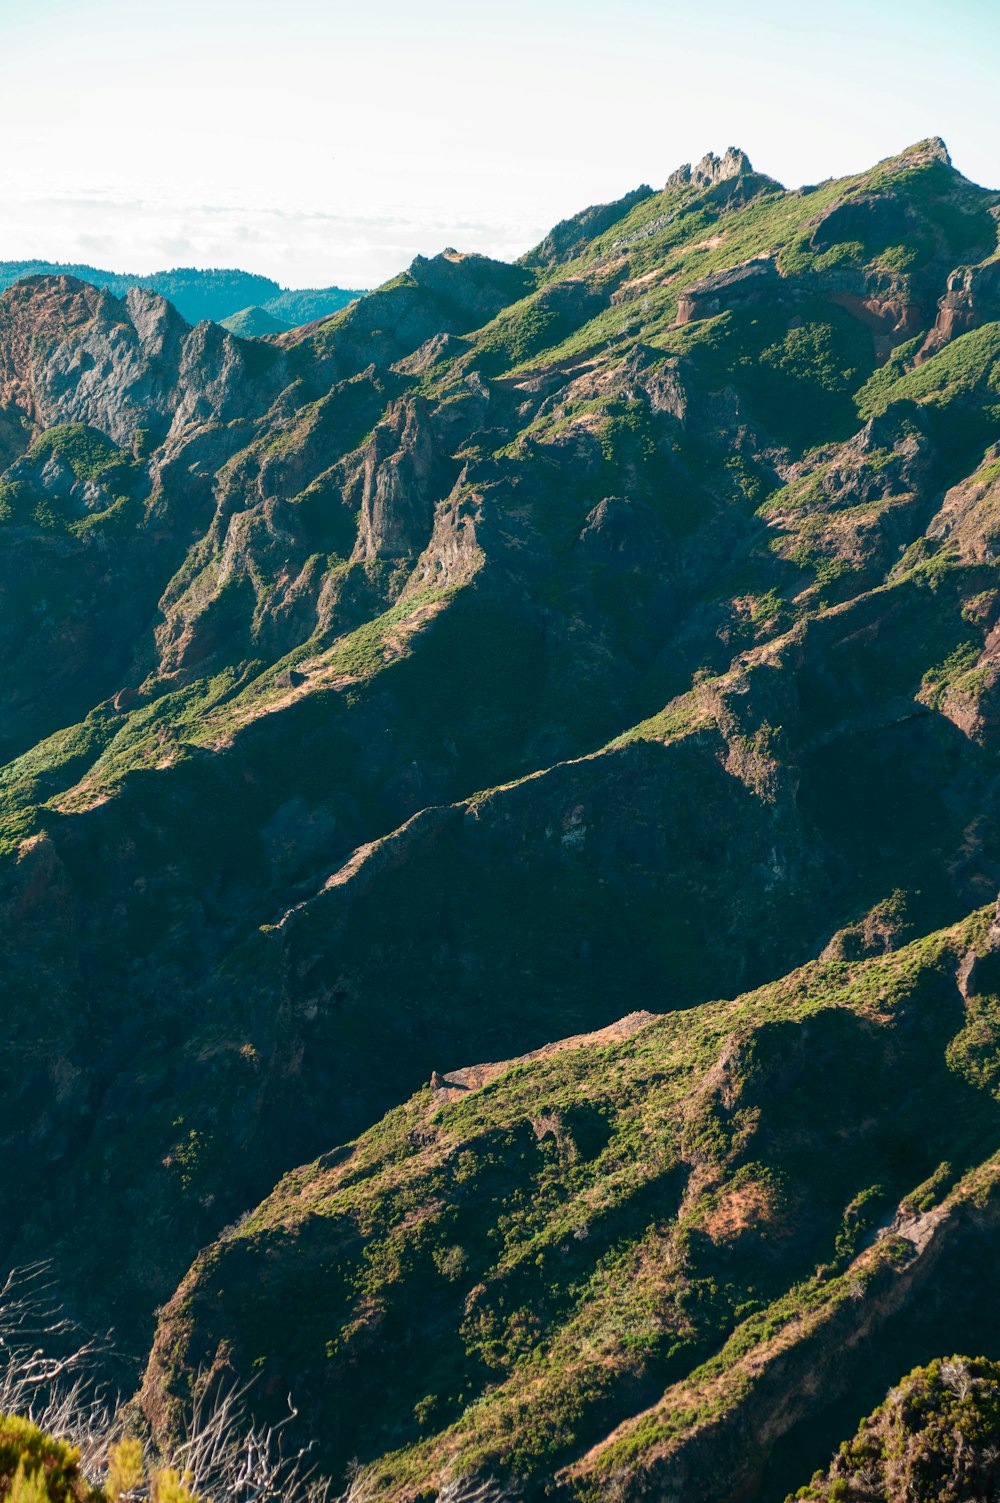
[216,294]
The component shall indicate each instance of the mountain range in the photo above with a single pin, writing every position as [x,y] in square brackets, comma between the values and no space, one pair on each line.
[248,303]
[500,847]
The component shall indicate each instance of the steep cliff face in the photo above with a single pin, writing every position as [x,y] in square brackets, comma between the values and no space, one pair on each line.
[518,648]
[70,353]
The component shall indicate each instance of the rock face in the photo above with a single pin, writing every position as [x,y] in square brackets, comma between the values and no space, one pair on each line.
[517,650]
[736,287]
[712,170]
[70,353]
[400,482]
[972,298]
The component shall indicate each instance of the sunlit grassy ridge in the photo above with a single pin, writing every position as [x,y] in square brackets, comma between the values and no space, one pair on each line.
[548,1254]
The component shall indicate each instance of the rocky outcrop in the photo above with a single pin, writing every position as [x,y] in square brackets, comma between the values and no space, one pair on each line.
[891,455]
[969,517]
[402,475]
[972,298]
[735,287]
[888,313]
[924,152]
[454,554]
[131,368]
[712,170]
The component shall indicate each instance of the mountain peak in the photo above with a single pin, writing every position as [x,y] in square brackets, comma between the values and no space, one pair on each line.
[933,149]
[712,169]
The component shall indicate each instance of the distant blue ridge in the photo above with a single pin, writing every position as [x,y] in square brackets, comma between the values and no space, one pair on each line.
[215,294]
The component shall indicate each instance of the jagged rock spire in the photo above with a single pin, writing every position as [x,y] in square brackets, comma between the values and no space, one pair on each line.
[711,169]
[934,149]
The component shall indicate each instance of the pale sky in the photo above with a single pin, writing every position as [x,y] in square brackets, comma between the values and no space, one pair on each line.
[324,142]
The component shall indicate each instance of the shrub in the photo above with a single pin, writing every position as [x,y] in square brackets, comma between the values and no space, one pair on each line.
[36,1468]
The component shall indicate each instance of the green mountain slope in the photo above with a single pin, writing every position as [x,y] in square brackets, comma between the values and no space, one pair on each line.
[616,1265]
[253,323]
[515,649]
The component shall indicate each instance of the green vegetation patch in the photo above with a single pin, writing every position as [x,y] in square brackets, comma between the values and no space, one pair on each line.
[37,1468]
[934,1440]
[89,453]
[967,364]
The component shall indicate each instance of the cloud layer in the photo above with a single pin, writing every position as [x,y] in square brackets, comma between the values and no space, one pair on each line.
[299,248]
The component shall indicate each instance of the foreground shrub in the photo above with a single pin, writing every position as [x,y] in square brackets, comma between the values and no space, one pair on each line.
[36,1468]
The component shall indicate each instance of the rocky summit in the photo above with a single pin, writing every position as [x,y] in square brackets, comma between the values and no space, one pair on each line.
[500,833]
